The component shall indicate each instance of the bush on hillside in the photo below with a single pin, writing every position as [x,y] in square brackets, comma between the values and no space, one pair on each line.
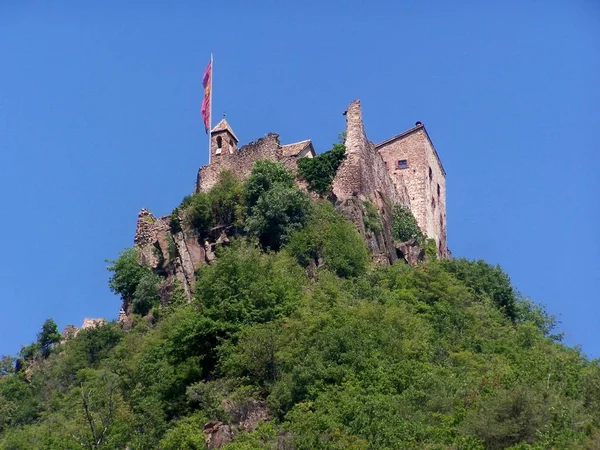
[278,212]
[264,176]
[330,240]
[404,225]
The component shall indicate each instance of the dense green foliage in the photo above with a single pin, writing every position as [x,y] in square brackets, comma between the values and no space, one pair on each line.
[330,241]
[320,171]
[126,274]
[334,353]
[444,355]
[404,225]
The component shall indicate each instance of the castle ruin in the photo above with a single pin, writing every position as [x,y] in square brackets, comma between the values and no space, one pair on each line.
[404,169]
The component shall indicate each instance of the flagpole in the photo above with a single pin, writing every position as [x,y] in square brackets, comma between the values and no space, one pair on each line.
[210,111]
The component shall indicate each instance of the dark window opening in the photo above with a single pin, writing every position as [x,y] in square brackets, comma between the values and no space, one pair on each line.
[402,164]
[386,165]
[430,174]
[438,190]
[230,143]
[219,141]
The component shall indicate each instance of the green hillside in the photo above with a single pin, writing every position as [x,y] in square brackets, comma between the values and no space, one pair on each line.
[294,340]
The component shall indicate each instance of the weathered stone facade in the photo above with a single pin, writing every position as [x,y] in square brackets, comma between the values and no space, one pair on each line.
[413,164]
[404,169]
[240,161]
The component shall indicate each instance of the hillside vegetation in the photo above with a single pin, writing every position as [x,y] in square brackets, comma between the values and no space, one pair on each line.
[293,340]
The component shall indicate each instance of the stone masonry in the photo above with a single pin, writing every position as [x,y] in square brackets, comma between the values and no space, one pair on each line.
[413,164]
[403,169]
[240,161]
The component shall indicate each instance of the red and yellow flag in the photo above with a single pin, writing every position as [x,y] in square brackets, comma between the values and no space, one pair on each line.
[207,84]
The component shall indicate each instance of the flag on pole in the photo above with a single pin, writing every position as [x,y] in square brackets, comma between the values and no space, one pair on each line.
[207,85]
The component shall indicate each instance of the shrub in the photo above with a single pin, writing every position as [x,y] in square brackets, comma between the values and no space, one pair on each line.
[320,171]
[198,214]
[330,238]
[146,294]
[404,225]
[245,286]
[264,176]
[372,219]
[484,278]
[222,206]
[277,213]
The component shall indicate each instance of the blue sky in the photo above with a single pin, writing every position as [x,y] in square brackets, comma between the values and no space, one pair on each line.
[100,116]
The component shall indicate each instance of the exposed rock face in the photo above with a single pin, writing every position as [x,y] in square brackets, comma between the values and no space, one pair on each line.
[410,252]
[363,177]
[178,255]
[244,417]
[217,434]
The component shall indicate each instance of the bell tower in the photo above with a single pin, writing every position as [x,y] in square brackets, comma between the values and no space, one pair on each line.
[223,141]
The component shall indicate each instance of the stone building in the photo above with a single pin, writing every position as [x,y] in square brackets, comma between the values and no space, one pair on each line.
[226,156]
[403,169]
[413,163]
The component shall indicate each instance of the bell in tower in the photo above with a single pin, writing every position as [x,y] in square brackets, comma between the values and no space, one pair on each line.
[223,140]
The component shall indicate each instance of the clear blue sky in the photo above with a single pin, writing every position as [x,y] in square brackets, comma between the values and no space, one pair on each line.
[100,116]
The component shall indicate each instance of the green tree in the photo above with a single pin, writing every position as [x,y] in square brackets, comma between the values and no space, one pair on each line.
[264,176]
[277,213]
[198,214]
[126,274]
[48,337]
[146,294]
[331,242]
[227,200]
[245,286]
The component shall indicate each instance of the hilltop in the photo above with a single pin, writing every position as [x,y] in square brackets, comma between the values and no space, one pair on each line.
[305,301]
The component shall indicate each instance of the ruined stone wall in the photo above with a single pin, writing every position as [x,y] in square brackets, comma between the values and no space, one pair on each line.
[361,177]
[363,171]
[421,178]
[240,162]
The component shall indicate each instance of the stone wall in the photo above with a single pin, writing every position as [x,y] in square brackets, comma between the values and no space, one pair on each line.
[362,177]
[421,178]
[241,161]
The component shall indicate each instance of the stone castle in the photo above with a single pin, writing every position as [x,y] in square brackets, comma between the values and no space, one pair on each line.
[403,169]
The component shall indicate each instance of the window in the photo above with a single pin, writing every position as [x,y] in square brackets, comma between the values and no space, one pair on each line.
[402,164]
[219,142]
[438,190]
[430,174]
